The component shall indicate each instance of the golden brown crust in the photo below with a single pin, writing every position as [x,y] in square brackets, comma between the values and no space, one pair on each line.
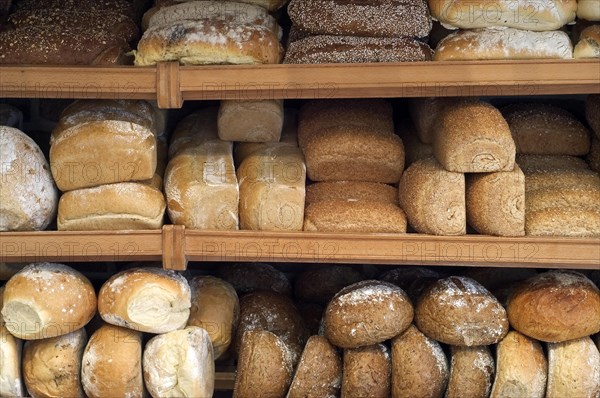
[351,191]
[367,372]
[573,369]
[561,221]
[589,43]
[471,372]
[588,10]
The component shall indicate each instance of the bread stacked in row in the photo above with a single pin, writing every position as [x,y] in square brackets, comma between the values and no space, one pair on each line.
[334,31]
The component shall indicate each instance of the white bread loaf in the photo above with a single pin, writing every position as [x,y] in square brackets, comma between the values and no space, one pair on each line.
[52,367]
[28,196]
[216,309]
[471,372]
[28,312]
[102,142]
[202,188]
[250,121]
[588,10]
[150,300]
[180,364]
[272,189]
[573,369]
[536,15]
[11,382]
[367,372]
[194,129]
[503,43]
[112,363]
[589,43]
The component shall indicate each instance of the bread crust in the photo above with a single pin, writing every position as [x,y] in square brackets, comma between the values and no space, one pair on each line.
[589,43]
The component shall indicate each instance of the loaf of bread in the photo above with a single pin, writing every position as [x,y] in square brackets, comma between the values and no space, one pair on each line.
[589,43]
[367,313]
[201,187]
[52,367]
[367,372]
[195,129]
[180,364]
[319,372]
[30,315]
[419,366]
[582,178]
[424,113]
[573,369]
[521,368]
[566,198]
[227,5]
[593,158]
[112,363]
[471,136]
[413,147]
[588,10]
[503,43]
[250,277]
[459,311]
[250,121]
[563,222]
[496,202]
[471,372]
[272,189]
[543,129]
[319,285]
[216,309]
[264,367]
[592,112]
[351,191]
[433,198]
[327,49]
[150,300]
[555,306]
[130,8]
[534,164]
[536,15]
[11,382]
[28,196]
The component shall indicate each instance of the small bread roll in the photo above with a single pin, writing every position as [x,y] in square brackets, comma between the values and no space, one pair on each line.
[216,309]
[367,313]
[150,300]
[589,43]
[459,311]
[180,364]
[264,368]
[247,278]
[11,382]
[112,363]
[471,372]
[367,372]
[319,372]
[250,121]
[419,366]
[351,191]
[555,306]
[573,369]
[588,10]
[592,112]
[433,198]
[52,367]
[319,285]
[29,313]
[521,368]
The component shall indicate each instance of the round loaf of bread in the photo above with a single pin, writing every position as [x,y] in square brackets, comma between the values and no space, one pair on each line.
[319,285]
[588,10]
[459,311]
[180,364]
[149,300]
[471,372]
[367,313]
[419,366]
[589,43]
[592,112]
[264,367]
[52,367]
[216,309]
[112,363]
[573,369]
[247,278]
[28,196]
[29,313]
[11,382]
[351,191]
[555,306]
[367,372]
[319,372]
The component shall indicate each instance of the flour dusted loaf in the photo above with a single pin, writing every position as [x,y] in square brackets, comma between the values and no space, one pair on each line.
[367,313]
[367,372]
[589,43]
[180,364]
[588,10]
[150,300]
[555,306]
[28,196]
[250,121]
[30,315]
[471,372]
[250,277]
[11,381]
[573,369]
[319,285]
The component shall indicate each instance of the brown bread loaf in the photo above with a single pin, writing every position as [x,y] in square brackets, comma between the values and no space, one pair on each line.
[471,372]
[367,372]
[351,191]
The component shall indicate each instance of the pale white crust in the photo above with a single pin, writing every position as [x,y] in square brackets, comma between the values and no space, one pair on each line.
[250,121]
[11,382]
[589,43]
[573,369]
[588,10]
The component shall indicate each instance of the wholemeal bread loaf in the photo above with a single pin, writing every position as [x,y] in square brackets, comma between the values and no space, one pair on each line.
[112,363]
[367,313]
[319,372]
[566,198]
[216,309]
[593,158]
[52,367]
[589,43]
[419,366]
[250,277]
[496,202]
[149,299]
[424,112]
[250,121]
[592,112]
[471,372]
[125,7]
[227,5]
[472,137]
[503,43]
[555,306]
[573,369]
[574,222]
[521,368]
[433,198]
[30,315]
[319,285]
[413,147]
[367,372]
[180,364]
[537,15]
[265,366]
[562,179]
[351,191]
[533,164]
[588,10]
[11,381]
[459,311]
[28,196]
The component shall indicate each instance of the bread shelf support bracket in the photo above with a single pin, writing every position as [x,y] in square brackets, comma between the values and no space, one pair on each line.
[168,89]
[173,245]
